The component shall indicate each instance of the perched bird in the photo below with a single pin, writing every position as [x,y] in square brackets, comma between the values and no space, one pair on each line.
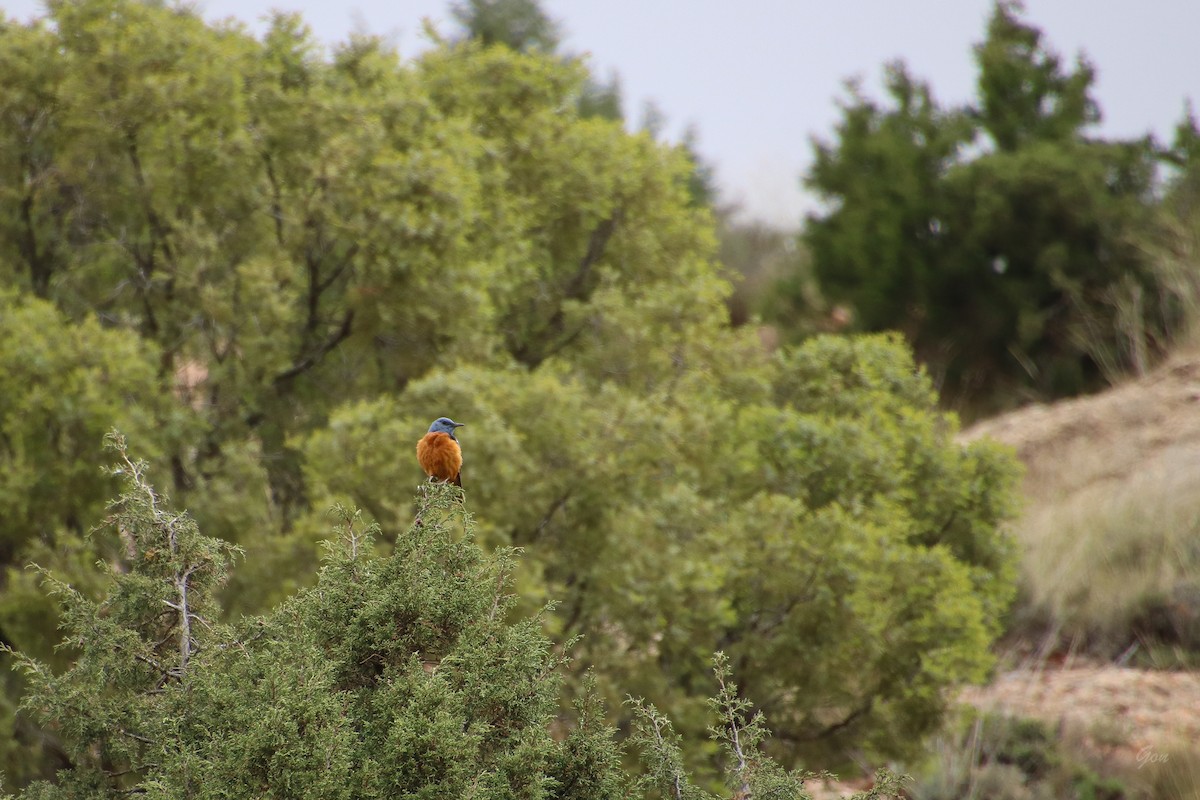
[438,452]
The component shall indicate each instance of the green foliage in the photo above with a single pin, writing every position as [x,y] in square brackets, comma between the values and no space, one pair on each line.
[398,674]
[158,614]
[1024,94]
[523,25]
[1016,264]
[823,525]
[392,676]
[1010,758]
[64,384]
[885,179]
[519,24]
[1069,292]
[277,265]
[741,734]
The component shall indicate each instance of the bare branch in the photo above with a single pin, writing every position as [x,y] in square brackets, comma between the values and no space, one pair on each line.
[135,736]
[742,769]
[309,361]
[182,576]
[677,781]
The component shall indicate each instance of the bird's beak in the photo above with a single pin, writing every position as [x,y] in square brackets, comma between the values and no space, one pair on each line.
[458,424]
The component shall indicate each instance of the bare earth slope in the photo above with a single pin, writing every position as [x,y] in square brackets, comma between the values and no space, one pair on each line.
[1111,437]
[1121,711]
[1145,427]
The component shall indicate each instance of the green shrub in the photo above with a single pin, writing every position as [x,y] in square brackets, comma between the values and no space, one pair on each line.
[391,677]
[823,528]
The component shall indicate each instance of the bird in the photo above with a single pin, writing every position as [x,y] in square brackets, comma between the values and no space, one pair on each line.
[439,453]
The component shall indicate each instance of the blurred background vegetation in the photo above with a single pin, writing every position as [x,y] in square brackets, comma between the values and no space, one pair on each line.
[271,265]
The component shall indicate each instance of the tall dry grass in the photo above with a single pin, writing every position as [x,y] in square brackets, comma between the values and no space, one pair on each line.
[1115,566]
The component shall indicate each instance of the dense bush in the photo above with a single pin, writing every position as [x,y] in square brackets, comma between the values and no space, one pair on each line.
[823,529]
[397,676]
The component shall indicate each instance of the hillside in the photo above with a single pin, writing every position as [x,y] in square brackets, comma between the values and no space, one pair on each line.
[1098,442]
[1110,549]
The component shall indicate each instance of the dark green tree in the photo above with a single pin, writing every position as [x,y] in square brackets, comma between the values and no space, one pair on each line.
[1025,95]
[519,24]
[1048,274]
[882,245]
[999,238]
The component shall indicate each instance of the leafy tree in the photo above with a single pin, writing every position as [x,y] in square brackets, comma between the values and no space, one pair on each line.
[32,195]
[63,384]
[398,675]
[1050,277]
[524,26]
[318,253]
[881,245]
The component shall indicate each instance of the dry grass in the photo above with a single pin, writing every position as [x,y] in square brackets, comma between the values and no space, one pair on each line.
[1169,775]
[995,757]
[1119,562]
[1111,527]
[990,756]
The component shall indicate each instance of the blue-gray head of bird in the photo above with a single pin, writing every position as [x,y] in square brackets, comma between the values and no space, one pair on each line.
[445,425]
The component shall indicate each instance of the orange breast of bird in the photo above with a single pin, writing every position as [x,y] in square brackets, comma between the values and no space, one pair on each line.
[440,456]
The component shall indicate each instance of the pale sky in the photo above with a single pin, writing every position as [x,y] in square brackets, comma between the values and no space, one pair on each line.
[758,78]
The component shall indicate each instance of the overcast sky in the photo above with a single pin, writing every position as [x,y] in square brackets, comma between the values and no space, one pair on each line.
[758,78]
